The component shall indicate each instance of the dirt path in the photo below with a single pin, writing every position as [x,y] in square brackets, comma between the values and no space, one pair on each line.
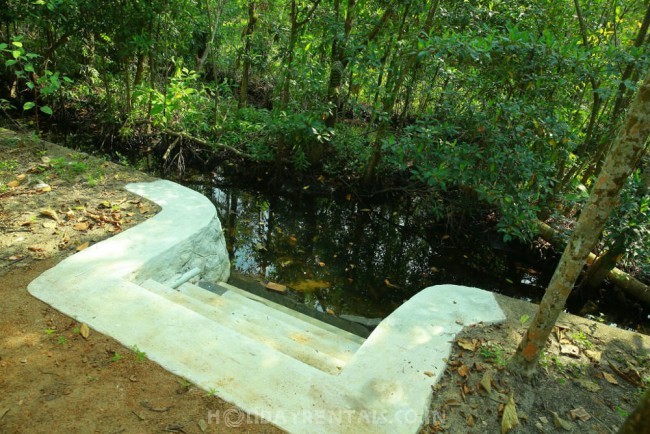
[54,201]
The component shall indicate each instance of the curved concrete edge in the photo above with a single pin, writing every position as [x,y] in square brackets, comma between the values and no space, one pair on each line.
[409,349]
[189,223]
[184,235]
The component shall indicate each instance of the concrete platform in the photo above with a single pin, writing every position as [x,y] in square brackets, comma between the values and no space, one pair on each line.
[297,372]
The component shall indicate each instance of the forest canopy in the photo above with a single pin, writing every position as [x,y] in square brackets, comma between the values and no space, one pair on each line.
[512,103]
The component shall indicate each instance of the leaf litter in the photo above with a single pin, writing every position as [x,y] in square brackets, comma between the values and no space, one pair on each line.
[478,394]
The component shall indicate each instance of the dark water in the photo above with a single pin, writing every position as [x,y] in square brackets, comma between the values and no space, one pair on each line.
[363,258]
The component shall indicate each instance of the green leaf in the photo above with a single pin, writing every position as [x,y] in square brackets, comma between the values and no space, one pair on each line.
[30,85]
[29,105]
[156,109]
[16,54]
[47,110]
[29,67]
[10,62]
[17,44]
[3,46]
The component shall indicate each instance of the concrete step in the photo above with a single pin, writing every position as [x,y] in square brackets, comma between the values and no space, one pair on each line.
[291,335]
[233,291]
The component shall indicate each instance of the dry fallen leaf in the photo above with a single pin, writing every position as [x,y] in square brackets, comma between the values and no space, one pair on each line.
[580,413]
[509,420]
[84,331]
[428,373]
[463,371]
[42,187]
[49,224]
[470,421]
[277,287]
[81,226]
[13,184]
[51,214]
[561,423]
[486,381]
[593,355]
[467,344]
[83,246]
[203,425]
[610,378]
[588,384]
[570,350]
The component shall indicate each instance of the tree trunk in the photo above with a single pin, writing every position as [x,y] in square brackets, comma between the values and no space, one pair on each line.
[630,144]
[639,421]
[393,86]
[296,25]
[248,37]
[600,269]
[338,61]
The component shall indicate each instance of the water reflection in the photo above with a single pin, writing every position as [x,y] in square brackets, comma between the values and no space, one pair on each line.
[350,257]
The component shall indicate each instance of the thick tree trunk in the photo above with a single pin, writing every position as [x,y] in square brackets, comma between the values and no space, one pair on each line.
[629,146]
[639,421]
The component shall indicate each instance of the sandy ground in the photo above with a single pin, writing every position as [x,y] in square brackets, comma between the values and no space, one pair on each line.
[54,201]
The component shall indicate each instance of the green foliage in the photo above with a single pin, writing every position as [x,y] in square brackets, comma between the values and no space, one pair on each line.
[249,130]
[182,105]
[42,83]
[523,319]
[582,340]
[140,356]
[349,151]
[299,131]
[495,100]
[630,222]
[493,353]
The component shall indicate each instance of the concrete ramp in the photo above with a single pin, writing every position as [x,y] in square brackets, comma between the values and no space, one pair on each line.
[299,373]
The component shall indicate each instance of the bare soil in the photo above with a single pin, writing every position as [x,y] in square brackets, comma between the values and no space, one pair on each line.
[54,201]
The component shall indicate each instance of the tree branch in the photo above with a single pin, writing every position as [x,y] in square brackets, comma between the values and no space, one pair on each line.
[202,142]
[309,14]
